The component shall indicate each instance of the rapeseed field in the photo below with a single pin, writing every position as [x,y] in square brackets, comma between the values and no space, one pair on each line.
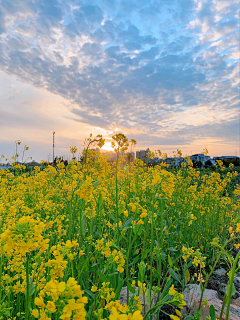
[72,237]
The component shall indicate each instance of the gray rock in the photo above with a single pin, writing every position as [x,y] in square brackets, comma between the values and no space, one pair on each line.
[192,294]
[123,299]
[237,282]
[222,288]
[237,302]
[220,272]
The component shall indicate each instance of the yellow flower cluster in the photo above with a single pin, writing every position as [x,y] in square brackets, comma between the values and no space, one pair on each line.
[64,298]
[124,311]
[61,223]
[24,236]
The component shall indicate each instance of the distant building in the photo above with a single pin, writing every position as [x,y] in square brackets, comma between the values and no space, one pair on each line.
[143,155]
[198,157]
[201,157]
[175,161]
[130,156]
[226,158]
[96,150]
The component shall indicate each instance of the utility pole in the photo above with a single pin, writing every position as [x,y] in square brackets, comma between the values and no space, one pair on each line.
[53,145]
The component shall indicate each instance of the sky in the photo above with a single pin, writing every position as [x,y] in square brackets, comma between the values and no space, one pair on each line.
[165,73]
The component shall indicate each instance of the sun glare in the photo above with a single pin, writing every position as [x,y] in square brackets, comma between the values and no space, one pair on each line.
[107,147]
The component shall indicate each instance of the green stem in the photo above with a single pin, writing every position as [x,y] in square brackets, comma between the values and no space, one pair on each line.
[0,278]
[117,199]
[231,284]
[72,268]
[161,243]
[27,289]
[151,262]
[208,276]
[223,306]
[70,222]
[127,263]
[81,225]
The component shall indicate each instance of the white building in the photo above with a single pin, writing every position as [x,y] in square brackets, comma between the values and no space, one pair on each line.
[143,155]
[175,161]
[201,157]
[225,158]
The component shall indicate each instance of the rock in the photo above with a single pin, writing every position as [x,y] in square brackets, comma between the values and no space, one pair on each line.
[123,299]
[237,302]
[192,296]
[222,288]
[213,284]
[237,282]
[234,313]
[220,272]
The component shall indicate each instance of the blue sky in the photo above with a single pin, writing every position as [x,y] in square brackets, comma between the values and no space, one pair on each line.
[163,72]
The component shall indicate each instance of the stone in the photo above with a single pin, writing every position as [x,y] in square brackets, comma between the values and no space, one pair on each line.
[237,282]
[237,302]
[192,296]
[222,288]
[220,272]
[234,313]
[123,299]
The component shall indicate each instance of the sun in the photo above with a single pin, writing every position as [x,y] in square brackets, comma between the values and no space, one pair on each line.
[107,147]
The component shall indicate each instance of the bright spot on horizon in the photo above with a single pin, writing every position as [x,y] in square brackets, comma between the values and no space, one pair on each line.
[107,147]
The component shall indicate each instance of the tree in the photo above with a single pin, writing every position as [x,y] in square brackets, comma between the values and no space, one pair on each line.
[208,163]
[197,164]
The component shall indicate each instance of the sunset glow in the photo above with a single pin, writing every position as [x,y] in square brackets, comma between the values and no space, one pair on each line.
[163,73]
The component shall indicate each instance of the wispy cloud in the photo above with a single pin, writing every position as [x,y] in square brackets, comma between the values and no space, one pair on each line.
[153,65]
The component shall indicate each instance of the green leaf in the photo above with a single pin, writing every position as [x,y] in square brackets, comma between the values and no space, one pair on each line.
[145,254]
[171,249]
[94,264]
[112,274]
[156,243]
[130,288]
[134,261]
[212,312]
[95,184]
[228,290]
[100,200]
[119,288]
[163,255]
[31,287]
[164,296]
[84,225]
[175,275]
[170,261]
[103,278]
[138,229]
[189,264]
[111,216]
[127,224]
[90,293]
[120,209]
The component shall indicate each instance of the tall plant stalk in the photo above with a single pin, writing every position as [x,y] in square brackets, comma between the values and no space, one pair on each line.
[27,289]
[116,180]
